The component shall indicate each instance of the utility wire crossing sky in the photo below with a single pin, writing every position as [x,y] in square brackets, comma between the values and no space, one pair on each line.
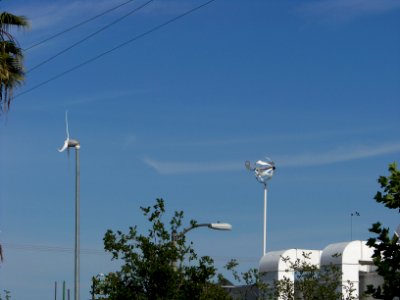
[108,51]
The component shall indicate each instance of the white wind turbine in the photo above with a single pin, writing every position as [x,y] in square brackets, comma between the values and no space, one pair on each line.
[71,143]
[68,143]
[263,170]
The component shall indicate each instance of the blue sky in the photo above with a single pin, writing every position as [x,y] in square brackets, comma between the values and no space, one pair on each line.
[175,114]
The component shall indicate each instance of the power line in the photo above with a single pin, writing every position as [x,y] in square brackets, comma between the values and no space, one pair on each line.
[90,35]
[44,248]
[115,48]
[77,25]
[87,251]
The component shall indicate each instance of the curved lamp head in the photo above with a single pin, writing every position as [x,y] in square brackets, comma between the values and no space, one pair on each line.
[220,226]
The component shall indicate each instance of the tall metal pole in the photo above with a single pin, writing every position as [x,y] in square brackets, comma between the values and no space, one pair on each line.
[71,143]
[77,225]
[356,214]
[265,220]
[63,296]
[351,227]
[264,170]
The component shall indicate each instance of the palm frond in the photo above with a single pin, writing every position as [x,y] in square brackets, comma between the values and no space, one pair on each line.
[11,58]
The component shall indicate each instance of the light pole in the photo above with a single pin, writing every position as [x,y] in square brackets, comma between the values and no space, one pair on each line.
[71,143]
[263,170]
[216,226]
[357,214]
[77,223]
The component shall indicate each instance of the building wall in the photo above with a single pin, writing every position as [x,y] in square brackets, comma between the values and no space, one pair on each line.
[369,278]
[354,259]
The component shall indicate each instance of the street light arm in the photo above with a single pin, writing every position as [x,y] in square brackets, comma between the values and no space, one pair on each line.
[215,226]
[176,236]
[186,230]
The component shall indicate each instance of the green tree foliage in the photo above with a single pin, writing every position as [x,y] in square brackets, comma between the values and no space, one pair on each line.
[11,58]
[250,284]
[157,265]
[7,295]
[387,248]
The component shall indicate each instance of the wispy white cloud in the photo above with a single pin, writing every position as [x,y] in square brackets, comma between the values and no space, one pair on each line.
[341,154]
[109,96]
[50,14]
[344,10]
[190,167]
[296,160]
[276,138]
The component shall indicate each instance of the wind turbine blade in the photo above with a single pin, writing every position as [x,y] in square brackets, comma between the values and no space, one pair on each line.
[268,159]
[263,163]
[65,146]
[66,124]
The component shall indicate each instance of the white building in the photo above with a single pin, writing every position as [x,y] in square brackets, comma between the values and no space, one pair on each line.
[353,258]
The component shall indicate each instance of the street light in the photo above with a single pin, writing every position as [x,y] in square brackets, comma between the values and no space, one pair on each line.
[216,226]
[263,170]
[357,214]
[71,143]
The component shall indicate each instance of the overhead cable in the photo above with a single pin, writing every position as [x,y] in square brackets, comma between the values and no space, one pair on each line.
[76,25]
[114,48]
[89,36]
[60,249]
[57,249]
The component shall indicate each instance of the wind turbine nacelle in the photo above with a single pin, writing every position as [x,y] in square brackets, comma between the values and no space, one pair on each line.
[73,144]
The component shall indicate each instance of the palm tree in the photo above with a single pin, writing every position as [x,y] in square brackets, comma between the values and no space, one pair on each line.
[11,58]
